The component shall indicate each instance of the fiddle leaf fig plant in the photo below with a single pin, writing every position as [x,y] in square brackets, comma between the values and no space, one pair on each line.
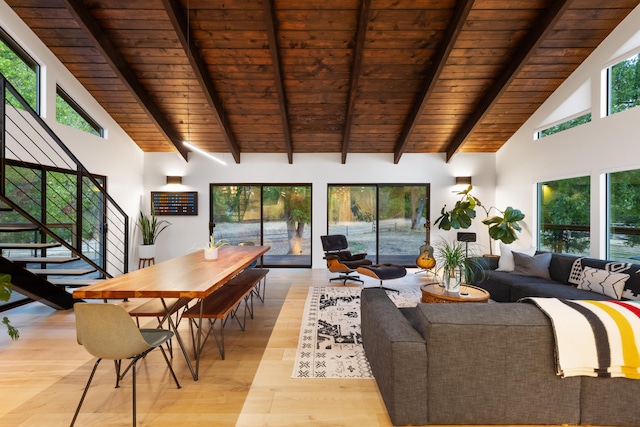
[503,226]
[462,213]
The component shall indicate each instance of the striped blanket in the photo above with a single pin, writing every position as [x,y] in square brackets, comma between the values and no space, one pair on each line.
[594,338]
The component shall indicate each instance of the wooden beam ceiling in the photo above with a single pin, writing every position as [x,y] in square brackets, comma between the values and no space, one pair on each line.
[85,19]
[180,22]
[322,76]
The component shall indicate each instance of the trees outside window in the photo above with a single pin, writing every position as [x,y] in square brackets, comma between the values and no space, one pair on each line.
[623,242]
[624,85]
[568,124]
[275,215]
[564,215]
[384,220]
[20,70]
[69,113]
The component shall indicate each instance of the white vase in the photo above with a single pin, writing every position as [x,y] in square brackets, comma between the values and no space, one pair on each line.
[210,254]
[147,251]
[452,279]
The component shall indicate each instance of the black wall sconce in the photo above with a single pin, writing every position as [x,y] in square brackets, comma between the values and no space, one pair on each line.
[463,180]
[174,179]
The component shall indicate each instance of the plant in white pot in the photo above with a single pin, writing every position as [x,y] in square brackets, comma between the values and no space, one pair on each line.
[211,250]
[150,228]
[457,265]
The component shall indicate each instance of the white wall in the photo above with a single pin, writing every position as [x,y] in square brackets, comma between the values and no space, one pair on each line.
[604,145]
[115,156]
[188,233]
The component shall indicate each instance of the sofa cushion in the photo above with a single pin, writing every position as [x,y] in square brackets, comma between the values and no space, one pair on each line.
[506,263]
[547,289]
[534,266]
[603,282]
[486,374]
[632,286]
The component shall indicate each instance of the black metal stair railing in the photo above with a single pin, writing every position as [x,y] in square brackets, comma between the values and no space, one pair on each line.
[43,182]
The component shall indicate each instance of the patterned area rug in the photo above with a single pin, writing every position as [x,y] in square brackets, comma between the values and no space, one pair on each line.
[330,343]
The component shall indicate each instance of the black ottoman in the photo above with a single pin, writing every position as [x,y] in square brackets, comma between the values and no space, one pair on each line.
[383,272]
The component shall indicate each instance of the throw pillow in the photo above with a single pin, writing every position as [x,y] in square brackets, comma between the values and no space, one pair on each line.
[505,263]
[534,266]
[603,282]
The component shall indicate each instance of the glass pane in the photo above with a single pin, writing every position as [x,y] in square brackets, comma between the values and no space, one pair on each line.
[68,115]
[352,212]
[401,231]
[564,215]
[624,216]
[62,207]
[92,220]
[624,85]
[236,213]
[20,75]
[287,224]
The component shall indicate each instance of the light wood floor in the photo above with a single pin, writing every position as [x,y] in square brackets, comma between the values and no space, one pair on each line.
[44,372]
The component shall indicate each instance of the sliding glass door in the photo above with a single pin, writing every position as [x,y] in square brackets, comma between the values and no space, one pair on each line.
[384,220]
[274,215]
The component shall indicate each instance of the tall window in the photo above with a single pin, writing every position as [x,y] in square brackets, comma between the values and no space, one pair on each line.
[275,215]
[564,215]
[385,221]
[69,113]
[624,85]
[21,71]
[623,242]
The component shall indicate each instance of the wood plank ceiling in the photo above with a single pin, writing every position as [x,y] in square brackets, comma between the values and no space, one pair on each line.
[306,76]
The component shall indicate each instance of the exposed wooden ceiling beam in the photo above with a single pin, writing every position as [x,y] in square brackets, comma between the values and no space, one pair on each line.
[92,26]
[270,20]
[454,28]
[179,21]
[523,53]
[361,32]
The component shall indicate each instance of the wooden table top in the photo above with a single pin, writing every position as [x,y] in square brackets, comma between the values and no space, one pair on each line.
[187,276]
[468,293]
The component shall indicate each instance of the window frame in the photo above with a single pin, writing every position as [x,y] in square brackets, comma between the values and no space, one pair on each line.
[607,81]
[80,111]
[27,59]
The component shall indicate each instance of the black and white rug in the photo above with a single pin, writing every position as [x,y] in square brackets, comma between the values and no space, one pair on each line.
[330,343]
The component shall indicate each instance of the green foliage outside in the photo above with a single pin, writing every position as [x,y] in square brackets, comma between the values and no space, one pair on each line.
[20,75]
[586,118]
[67,115]
[624,83]
[624,205]
[564,208]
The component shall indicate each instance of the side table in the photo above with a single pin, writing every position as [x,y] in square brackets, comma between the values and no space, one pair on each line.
[434,293]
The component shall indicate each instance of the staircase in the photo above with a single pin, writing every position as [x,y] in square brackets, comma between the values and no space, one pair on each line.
[59,228]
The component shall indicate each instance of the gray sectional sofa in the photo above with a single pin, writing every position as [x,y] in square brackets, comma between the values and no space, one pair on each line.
[564,275]
[481,364]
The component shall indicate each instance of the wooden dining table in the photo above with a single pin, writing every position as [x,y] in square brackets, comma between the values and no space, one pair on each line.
[187,276]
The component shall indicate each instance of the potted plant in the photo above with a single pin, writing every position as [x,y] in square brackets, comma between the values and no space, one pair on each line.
[211,250]
[453,259]
[5,293]
[503,226]
[150,227]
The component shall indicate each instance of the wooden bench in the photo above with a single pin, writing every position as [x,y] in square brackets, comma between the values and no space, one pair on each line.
[224,303]
[155,308]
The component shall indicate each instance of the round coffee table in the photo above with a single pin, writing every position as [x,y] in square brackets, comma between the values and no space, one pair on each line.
[434,293]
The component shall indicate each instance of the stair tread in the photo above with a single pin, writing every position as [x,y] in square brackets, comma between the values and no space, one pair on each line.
[29,245]
[75,282]
[61,271]
[47,260]
[18,227]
